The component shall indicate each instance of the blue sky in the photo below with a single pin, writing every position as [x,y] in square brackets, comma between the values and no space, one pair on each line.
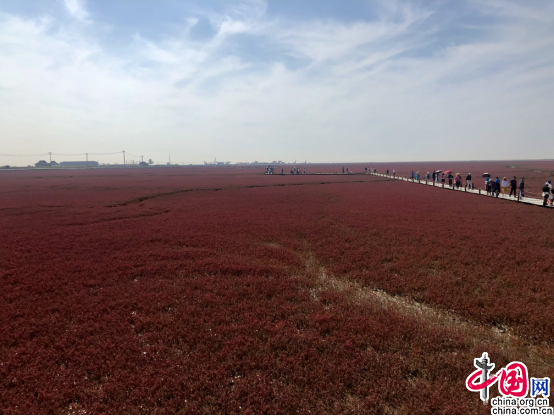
[326,81]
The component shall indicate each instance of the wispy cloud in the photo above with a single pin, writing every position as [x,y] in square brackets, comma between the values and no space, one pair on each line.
[266,86]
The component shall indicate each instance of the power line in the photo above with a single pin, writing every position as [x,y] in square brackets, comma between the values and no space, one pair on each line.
[61,154]
[102,154]
[68,154]
[36,155]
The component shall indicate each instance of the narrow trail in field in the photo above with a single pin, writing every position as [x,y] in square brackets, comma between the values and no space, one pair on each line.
[159,195]
[426,315]
[130,217]
[180,191]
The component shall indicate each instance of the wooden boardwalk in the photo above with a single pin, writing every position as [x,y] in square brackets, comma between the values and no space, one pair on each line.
[476,191]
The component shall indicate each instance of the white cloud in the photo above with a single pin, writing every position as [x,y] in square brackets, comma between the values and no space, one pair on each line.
[77,9]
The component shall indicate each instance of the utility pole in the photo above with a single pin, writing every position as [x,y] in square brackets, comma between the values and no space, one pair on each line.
[141,159]
[124,158]
[50,153]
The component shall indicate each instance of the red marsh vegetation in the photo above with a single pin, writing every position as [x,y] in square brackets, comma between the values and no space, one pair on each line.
[221,290]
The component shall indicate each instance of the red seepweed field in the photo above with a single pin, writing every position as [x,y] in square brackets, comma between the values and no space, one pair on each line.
[221,290]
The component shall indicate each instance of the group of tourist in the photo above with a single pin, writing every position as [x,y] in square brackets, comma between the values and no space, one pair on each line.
[496,187]
[297,171]
[439,177]
[453,180]
[270,170]
[493,187]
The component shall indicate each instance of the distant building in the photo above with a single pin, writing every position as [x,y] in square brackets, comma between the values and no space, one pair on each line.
[79,164]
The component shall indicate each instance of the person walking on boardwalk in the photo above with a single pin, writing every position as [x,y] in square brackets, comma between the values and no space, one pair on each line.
[412,175]
[427,177]
[496,187]
[394,173]
[488,186]
[387,172]
[546,193]
[504,186]
[513,186]
[450,177]
[434,174]
[493,186]
[417,176]
[468,181]
[443,179]
[458,180]
[550,196]
[522,188]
